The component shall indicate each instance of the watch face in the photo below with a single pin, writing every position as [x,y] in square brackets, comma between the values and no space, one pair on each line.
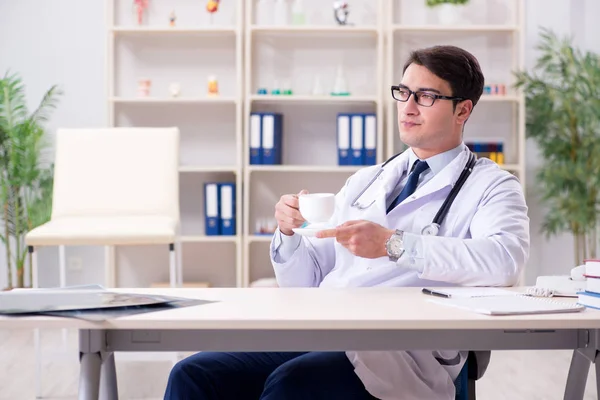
[395,246]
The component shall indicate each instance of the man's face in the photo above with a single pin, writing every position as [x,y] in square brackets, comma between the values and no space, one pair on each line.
[432,129]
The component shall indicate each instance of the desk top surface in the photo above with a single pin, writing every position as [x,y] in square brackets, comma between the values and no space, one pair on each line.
[312,308]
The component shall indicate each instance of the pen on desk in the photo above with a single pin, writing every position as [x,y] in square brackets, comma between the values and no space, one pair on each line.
[433,293]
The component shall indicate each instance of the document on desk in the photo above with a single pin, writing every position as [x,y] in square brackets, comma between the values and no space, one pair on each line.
[467,292]
[88,303]
[510,305]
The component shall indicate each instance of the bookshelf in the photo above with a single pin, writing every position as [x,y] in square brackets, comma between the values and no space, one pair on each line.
[198,46]
[295,55]
[247,55]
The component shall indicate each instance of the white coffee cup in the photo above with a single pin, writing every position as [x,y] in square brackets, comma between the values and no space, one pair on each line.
[317,208]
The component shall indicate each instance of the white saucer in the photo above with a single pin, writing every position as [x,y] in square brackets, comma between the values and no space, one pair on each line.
[311,230]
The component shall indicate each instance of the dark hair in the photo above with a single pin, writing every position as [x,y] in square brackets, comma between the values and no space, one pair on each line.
[456,66]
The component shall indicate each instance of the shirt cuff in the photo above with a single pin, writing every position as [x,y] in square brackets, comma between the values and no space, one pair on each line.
[285,246]
[413,256]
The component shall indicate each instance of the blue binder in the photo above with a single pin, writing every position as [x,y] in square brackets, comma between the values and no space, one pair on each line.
[272,130]
[211,209]
[357,139]
[370,129]
[227,208]
[343,139]
[254,133]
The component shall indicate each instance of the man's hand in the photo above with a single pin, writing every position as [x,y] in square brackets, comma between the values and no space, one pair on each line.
[286,213]
[362,238]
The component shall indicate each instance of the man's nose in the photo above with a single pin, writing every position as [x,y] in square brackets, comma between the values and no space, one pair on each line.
[410,106]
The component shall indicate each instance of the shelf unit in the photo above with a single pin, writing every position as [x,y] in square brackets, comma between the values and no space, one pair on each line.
[186,53]
[493,43]
[247,56]
[298,53]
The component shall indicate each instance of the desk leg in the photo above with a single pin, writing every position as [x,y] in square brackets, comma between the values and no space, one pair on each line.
[108,379]
[578,373]
[89,376]
[597,362]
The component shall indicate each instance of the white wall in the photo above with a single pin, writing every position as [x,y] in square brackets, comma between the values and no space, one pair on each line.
[58,42]
[62,41]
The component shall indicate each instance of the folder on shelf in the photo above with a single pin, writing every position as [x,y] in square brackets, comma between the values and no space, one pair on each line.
[343,139]
[272,127]
[491,150]
[357,139]
[227,214]
[255,139]
[370,148]
[500,153]
[211,209]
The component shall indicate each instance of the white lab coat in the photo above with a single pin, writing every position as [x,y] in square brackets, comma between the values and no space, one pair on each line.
[483,241]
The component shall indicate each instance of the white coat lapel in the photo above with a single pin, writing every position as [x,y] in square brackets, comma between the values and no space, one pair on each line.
[389,179]
[445,178]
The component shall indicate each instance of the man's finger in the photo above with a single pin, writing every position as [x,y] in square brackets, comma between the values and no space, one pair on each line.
[350,223]
[291,201]
[327,233]
[292,213]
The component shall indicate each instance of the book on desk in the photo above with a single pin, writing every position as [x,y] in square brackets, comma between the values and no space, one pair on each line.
[496,301]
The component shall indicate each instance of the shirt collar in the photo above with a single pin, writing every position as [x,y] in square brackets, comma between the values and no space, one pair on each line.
[439,161]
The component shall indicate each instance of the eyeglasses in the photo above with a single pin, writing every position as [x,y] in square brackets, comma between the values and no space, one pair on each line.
[425,99]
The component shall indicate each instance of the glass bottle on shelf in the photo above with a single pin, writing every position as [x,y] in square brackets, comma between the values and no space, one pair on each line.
[282,13]
[264,12]
[298,13]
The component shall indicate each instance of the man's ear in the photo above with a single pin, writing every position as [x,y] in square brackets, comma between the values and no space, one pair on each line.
[463,111]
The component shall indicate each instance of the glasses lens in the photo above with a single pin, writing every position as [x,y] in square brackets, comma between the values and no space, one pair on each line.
[400,94]
[425,99]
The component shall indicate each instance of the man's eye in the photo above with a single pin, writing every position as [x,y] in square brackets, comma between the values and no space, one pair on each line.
[427,96]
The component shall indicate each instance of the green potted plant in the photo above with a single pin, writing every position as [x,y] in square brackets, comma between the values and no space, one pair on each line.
[25,178]
[448,10]
[433,3]
[562,95]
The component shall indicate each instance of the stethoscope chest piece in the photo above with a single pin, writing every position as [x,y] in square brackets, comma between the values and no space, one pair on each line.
[431,229]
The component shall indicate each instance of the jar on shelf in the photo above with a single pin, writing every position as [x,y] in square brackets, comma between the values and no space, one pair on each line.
[144,85]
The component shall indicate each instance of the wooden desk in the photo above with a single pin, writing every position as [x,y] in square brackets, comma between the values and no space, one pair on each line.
[304,319]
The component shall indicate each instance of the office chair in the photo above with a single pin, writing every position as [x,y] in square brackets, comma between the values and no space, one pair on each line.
[474,368]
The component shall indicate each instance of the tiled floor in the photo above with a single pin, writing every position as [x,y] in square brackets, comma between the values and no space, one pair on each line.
[515,375]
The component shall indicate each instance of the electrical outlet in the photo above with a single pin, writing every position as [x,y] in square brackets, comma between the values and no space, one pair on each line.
[75,264]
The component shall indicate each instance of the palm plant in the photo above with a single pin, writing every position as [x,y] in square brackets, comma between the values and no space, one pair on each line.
[563,117]
[433,3]
[25,178]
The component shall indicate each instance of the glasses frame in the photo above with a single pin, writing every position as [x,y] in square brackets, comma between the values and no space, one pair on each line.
[410,93]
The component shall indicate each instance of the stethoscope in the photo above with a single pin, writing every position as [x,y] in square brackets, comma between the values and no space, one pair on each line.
[434,227]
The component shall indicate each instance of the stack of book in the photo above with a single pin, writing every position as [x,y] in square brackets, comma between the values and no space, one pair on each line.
[219,208]
[266,136]
[492,150]
[357,139]
[590,297]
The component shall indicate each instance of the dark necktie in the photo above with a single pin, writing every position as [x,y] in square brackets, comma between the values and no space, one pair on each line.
[411,183]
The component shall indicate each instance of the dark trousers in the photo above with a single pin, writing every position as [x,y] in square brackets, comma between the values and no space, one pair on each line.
[265,376]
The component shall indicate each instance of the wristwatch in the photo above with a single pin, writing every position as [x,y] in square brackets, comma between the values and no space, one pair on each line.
[395,245]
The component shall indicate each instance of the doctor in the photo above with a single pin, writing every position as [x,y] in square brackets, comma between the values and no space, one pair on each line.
[385,235]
